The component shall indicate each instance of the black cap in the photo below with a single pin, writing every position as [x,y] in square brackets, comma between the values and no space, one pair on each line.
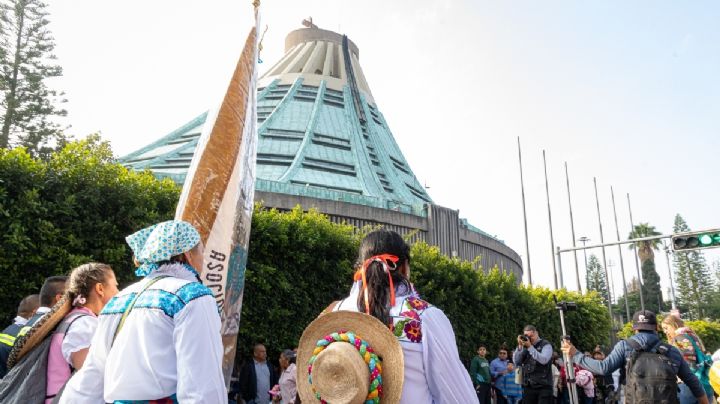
[645,320]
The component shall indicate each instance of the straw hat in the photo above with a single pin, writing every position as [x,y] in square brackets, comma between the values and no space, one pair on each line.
[339,371]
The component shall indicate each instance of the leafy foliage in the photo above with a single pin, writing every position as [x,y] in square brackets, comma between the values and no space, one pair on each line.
[298,264]
[596,278]
[76,207]
[26,63]
[285,291]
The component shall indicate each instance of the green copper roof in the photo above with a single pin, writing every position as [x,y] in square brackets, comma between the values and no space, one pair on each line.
[311,142]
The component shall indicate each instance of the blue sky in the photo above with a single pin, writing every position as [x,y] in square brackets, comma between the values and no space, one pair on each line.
[627,92]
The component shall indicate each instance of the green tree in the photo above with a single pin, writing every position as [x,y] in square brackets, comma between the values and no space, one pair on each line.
[596,278]
[692,276]
[77,206]
[27,61]
[633,297]
[652,293]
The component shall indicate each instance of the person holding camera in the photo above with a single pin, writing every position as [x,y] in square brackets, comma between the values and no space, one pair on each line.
[533,355]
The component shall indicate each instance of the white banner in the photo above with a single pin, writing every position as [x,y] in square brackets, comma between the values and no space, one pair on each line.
[217,197]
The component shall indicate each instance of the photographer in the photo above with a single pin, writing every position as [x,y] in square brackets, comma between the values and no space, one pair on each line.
[533,355]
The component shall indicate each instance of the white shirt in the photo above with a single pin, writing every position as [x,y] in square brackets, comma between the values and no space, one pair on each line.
[170,344]
[19,320]
[79,336]
[433,371]
[288,384]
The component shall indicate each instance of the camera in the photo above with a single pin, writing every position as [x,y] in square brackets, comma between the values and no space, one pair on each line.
[564,306]
[523,338]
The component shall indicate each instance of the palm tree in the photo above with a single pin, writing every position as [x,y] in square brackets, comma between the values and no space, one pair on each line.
[645,248]
[652,295]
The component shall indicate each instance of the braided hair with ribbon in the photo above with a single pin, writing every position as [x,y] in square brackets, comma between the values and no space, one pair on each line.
[382,268]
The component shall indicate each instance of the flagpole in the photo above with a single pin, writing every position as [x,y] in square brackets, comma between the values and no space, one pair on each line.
[558,279]
[572,229]
[522,191]
[622,266]
[602,249]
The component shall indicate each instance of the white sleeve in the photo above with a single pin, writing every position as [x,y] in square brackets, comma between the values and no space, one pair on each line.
[87,386]
[447,378]
[78,336]
[199,350]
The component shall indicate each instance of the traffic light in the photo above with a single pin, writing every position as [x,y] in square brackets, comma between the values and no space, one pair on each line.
[696,240]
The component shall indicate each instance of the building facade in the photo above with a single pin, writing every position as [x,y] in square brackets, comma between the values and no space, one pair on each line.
[323,143]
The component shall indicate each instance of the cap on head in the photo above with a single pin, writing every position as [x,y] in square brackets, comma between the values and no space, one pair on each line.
[644,320]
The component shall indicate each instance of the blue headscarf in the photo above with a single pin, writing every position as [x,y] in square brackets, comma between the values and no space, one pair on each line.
[160,242]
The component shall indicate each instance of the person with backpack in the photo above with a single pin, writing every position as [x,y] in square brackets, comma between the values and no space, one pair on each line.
[693,351]
[648,368]
[158,339]
[26,309]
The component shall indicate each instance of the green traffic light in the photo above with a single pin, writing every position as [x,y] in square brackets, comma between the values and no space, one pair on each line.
[706,239]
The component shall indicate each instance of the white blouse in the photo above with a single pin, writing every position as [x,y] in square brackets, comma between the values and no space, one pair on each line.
[170,344]
[288,384]
[433,370]
[78,336]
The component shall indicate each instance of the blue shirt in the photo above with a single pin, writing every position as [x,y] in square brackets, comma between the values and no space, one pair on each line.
[504,382]
[262,378]
[616,360]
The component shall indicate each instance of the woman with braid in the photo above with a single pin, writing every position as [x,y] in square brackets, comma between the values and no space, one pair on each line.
[382,288]
[64,334]
[90,287]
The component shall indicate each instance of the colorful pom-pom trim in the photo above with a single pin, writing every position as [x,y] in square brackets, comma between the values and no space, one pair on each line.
[366,352]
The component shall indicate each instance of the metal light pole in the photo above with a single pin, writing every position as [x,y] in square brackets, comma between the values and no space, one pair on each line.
[584,240]
[558,279]
[672,286]
[637,258]
[622,266]
[522,190]
[602,241]
[572,229]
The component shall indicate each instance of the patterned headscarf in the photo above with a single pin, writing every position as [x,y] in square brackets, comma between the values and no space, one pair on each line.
[160,242]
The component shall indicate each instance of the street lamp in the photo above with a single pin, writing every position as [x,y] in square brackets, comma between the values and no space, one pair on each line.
[584,240]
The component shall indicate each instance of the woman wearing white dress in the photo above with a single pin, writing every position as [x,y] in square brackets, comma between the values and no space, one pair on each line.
[433,372]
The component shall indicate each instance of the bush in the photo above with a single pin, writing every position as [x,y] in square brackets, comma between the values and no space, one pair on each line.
[492,309]
[76,207]
[301,262]
[79,205]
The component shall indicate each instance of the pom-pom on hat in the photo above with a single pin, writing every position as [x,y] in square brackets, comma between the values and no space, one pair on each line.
[160,242]
[349,357]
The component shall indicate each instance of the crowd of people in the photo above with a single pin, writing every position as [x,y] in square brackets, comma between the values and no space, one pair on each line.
[82,340]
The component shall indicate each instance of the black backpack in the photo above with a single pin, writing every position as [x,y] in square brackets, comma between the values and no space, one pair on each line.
[650,376]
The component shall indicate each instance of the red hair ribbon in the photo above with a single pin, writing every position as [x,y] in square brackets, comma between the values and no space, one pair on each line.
[389,263]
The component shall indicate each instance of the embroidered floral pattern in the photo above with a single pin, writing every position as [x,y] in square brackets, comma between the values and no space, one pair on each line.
[412,331]
[417,303]
[407,326]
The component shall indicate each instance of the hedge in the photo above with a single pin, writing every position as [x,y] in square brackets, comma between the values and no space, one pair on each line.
[80,204]
[75,207]
[299,262]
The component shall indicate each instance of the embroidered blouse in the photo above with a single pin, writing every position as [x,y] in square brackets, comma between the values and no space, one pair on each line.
[433,371]
[169,345]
